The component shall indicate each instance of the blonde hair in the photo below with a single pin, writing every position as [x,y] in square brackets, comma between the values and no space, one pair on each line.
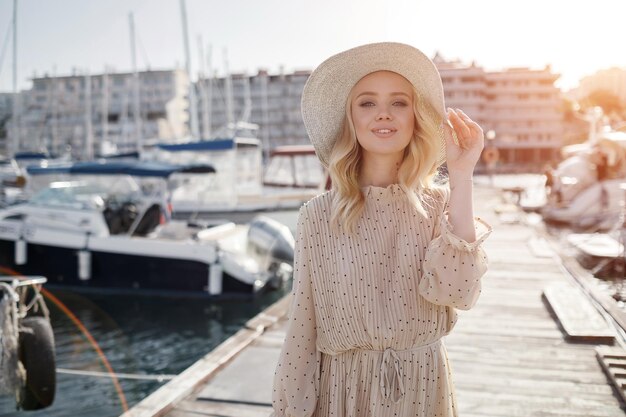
[417,172]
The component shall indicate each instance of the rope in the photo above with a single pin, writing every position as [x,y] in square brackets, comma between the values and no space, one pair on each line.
[143,377]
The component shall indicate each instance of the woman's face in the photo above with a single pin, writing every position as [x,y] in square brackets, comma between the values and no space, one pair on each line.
[382,112]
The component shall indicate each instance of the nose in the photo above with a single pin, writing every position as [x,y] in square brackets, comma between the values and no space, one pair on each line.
[383,115]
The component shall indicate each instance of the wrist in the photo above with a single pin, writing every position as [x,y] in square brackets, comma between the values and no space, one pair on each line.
[457,176]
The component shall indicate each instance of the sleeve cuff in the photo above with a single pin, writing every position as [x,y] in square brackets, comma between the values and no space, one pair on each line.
[483,230]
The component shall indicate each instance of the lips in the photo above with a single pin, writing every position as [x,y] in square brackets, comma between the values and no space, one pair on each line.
[384,132]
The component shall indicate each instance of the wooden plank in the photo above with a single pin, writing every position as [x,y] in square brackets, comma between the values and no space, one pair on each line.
[587,280]
[613,362]
[189,408]
[578,318]
[540,248]
[498,404]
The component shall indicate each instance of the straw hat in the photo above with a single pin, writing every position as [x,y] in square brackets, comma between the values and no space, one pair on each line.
[326,91]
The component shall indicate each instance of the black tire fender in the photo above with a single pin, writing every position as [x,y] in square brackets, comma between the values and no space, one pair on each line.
[37,354]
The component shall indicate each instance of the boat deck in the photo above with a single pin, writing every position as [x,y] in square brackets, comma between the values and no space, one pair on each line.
[509,355]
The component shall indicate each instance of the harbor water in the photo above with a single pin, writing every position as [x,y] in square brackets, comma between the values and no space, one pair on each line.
[140,336]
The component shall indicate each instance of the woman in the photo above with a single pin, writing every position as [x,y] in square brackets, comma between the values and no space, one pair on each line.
[378,271]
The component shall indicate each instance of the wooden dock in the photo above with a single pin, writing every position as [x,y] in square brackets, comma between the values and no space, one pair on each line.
[510,356]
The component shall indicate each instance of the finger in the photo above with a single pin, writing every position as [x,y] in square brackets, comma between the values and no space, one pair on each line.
[469,122]
[462,130]
[471,125]
[452,139]
[449,135]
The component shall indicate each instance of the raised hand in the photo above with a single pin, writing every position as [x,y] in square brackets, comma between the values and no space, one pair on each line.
[462,158]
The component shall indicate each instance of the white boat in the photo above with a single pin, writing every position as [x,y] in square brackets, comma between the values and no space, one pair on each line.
[601,253]
[109,228]
[240,183]
[599,245]
[585,189]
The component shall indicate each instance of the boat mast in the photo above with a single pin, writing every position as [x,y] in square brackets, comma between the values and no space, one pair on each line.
[55,112]
[136,104]
[202,80]
[230,123]
[193,112]
[105,107]
[264,108]
[247,108]
[88,125]
[209,93]
[15,106]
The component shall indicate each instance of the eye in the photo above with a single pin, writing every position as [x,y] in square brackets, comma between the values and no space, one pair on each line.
[400,103]
[366,104]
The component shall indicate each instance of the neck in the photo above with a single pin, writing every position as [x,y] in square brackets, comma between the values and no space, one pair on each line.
[379,171]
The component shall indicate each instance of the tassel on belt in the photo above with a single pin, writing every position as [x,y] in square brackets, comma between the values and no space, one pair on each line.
[390,376]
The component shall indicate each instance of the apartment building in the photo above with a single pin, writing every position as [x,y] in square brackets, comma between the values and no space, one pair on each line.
[270,101]
[71,112]
[520,106]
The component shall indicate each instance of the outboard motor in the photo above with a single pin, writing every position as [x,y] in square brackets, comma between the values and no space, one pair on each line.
[270,238]
[272,244]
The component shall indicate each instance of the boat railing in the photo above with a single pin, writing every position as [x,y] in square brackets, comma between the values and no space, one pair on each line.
[23,300]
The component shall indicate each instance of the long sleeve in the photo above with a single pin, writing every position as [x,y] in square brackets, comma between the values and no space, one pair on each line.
[452,267]
[296,379]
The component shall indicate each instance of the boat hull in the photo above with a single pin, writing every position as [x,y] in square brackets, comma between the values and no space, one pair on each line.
[119,272]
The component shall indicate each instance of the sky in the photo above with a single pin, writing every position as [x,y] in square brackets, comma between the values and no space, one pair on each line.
[62,36]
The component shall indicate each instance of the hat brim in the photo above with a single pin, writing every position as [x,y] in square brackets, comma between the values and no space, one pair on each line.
[327,89]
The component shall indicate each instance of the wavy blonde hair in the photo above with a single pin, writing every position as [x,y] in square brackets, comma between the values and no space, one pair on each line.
[417,172]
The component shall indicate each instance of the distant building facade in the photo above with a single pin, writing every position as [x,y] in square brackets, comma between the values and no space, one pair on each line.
[521,107]
[59,113]
[270,101]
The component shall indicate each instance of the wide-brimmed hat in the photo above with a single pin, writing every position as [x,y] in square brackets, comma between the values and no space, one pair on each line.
[327,89]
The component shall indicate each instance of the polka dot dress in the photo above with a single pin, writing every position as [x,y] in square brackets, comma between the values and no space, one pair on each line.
[369,310]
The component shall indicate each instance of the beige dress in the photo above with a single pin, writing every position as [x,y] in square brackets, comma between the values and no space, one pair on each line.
[369,311]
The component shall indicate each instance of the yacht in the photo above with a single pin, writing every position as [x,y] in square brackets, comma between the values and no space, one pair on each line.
[108,226]
[585,190]
[240,183]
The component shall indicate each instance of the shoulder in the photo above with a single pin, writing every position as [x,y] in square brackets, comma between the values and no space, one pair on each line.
[317,209]
[321,203]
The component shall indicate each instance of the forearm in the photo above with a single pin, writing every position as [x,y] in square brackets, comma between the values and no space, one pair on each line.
[460,206]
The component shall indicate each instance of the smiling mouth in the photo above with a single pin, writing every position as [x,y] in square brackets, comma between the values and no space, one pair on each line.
[384,133]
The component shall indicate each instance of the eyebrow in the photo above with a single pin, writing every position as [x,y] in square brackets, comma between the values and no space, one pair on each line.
[371,93]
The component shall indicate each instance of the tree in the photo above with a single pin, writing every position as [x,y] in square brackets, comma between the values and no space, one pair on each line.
[609,102]
[568,108]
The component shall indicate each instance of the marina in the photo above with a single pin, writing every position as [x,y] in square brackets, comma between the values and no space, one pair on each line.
[180,356]
[149,202]
[509,353]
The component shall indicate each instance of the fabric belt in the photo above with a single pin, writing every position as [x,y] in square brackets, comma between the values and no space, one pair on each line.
[391,370]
